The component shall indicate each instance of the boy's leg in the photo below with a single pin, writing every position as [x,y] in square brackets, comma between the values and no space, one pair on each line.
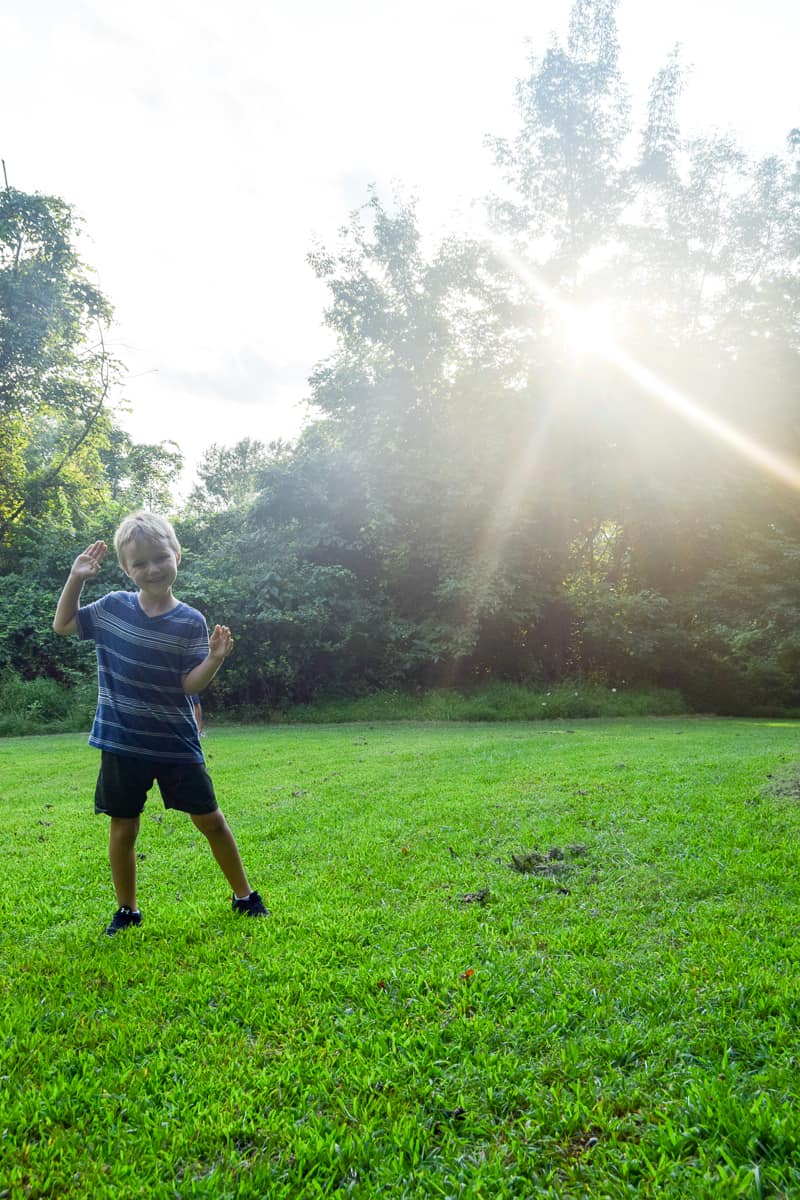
[189,789]
[223,846]
[122,857]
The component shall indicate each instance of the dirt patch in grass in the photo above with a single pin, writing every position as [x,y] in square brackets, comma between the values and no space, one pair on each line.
[551,863]
[783,784]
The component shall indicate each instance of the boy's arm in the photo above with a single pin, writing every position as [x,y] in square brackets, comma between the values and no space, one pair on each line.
[85,567]
[220,645]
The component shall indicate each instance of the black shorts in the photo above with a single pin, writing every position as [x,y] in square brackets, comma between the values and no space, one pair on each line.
[123,784]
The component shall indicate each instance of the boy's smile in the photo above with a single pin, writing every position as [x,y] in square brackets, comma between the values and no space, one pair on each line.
[152,566]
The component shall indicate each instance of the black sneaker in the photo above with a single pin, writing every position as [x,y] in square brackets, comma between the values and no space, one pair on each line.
[251,906]
[123,918]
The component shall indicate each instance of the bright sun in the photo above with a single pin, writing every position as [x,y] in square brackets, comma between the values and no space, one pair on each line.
[593,330]
[589,330]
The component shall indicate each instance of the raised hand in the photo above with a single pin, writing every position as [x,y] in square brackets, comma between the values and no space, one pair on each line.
[87,565]
[220,643]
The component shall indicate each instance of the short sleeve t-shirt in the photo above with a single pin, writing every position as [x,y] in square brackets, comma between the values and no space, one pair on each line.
[142,710]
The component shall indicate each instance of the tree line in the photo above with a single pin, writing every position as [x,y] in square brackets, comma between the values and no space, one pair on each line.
[485,489]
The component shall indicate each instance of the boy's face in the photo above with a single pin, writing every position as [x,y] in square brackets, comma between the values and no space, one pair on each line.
[151,564]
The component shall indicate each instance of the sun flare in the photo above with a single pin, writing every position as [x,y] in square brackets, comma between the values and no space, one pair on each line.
[589,330]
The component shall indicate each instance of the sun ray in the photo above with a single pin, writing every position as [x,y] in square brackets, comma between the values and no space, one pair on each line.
[583,327]
[592,331]
[500,525]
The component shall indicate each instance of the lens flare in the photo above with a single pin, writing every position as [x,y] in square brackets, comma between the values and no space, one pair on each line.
[588,330]
[592,330]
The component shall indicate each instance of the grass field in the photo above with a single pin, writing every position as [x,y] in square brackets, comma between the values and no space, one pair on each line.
[550,960]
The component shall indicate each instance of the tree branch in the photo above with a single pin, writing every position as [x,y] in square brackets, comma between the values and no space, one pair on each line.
[50,477]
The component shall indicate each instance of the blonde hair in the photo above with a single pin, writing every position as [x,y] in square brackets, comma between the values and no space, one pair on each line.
[145,525]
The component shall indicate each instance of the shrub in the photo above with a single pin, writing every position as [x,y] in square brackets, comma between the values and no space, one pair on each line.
[500,702]
[43,705]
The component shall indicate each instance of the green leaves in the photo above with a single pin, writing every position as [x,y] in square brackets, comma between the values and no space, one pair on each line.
[55,373]
[478,497]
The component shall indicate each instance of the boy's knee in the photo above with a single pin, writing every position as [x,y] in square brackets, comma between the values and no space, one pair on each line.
[210,823]
[125,828]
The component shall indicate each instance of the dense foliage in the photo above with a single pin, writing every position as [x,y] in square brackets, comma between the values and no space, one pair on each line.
[481,493]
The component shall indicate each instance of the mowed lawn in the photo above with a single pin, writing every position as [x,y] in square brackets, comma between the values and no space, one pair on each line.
[523,960]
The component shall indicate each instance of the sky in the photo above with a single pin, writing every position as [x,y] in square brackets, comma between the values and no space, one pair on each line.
[209,148]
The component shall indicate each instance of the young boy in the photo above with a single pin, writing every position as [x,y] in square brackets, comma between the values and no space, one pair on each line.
[153,654]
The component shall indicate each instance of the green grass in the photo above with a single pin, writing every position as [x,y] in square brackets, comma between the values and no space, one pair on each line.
[620,1018]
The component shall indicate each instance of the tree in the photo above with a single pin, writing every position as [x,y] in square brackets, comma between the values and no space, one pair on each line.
[259,568]
[55,371]
[493,486]
[229,476]
[422,359]
[139,474]
[517,493]
[567,184]
[67,469]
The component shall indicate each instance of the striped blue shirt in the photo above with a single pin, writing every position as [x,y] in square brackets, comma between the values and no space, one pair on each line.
[141,707]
